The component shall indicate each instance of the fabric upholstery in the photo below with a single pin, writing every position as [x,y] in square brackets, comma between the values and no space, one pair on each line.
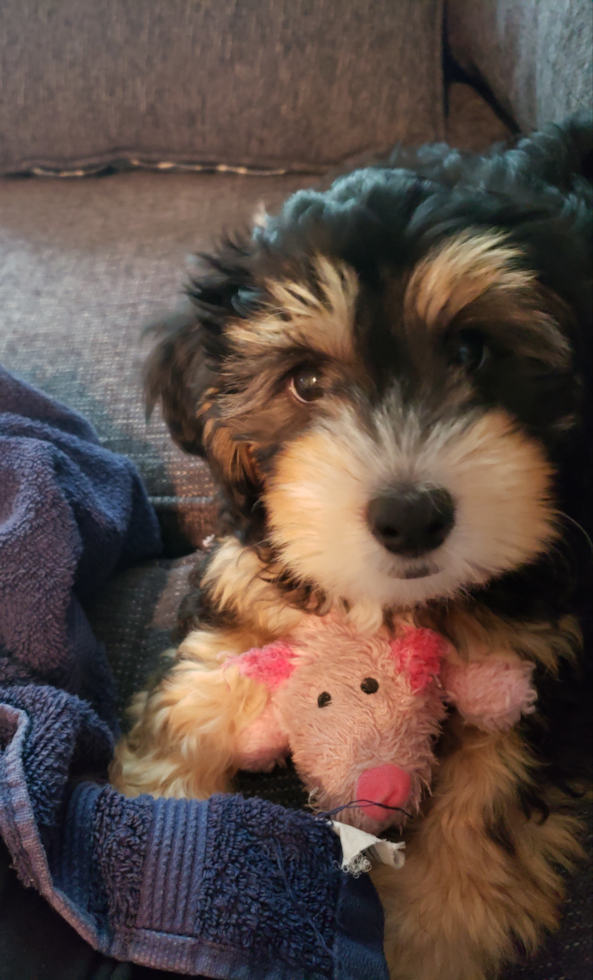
[295,85]
[536,55]
[471,122]
[84,264]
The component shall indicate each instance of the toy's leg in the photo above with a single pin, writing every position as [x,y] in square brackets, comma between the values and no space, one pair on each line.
[183,740]
[479,873]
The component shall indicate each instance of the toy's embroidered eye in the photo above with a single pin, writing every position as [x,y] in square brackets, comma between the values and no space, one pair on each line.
[323,699]
[369,685]
[469,351]
[305,383]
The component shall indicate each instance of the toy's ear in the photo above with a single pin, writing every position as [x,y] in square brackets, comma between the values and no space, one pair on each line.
[418,653]
[271,665]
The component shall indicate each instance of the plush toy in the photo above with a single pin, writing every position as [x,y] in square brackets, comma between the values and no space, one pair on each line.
[360,714]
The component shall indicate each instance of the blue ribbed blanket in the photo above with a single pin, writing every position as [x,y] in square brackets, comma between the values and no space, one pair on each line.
[227,888]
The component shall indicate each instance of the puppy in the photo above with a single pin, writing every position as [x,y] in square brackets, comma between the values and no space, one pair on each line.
[389,382]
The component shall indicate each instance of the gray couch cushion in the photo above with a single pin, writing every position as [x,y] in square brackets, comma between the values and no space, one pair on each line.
[272,83]
[471,123]
[84,264]
[536,55]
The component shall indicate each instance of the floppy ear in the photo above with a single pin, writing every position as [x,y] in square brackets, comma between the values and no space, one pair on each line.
[184,371]
[178,374]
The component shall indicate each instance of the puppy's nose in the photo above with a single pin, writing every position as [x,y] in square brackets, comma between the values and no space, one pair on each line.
[388,785]
[411,521]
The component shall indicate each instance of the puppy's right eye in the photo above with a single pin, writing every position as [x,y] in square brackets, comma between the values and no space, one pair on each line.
[305,384]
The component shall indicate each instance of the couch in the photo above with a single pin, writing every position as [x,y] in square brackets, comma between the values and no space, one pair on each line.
[132,134]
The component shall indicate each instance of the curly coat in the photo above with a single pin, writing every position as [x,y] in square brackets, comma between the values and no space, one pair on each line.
[420,331]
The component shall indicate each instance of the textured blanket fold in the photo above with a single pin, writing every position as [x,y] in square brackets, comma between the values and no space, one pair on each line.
[228,888]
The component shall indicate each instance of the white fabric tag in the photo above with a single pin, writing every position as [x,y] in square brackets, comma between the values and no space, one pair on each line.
[358,848]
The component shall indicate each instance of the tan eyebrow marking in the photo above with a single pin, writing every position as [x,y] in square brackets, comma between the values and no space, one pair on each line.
[460,271]
[483,266]
[323,322]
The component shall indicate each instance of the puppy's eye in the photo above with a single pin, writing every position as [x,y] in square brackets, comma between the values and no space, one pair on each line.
[305,384]
[245,301]
[323,699]
[369,685]
[468,350]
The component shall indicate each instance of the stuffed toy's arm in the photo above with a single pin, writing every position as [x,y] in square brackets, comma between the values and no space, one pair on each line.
[491,694]
[263,744]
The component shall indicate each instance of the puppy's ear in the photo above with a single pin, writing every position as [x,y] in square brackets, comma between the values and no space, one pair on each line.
[186,371]
[178,375]
[183,370]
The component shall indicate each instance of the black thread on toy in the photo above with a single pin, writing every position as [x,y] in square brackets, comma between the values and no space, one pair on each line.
[328,814]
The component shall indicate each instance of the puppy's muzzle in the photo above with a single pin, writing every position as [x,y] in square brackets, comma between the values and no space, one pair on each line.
[411,521]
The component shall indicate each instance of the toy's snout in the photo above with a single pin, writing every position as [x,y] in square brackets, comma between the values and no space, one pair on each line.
[388,785]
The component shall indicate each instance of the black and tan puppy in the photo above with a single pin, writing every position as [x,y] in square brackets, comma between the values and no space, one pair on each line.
[389,381]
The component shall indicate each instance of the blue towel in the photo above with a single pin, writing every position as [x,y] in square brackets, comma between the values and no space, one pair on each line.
[227,888]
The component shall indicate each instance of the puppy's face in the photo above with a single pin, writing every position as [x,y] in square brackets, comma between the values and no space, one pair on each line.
[386,405]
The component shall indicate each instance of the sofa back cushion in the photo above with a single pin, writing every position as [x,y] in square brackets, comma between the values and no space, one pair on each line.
[287,84]
[535,55]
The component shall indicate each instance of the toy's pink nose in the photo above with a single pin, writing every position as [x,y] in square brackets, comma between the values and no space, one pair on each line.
[384,784]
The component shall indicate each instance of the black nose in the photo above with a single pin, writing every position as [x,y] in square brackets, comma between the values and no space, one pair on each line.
[410,521]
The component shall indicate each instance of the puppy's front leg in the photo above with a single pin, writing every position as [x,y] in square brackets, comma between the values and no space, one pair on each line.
[183,740]
[185,726]
[481,870]
[479,873]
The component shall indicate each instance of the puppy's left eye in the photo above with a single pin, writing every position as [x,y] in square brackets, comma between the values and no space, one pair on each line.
[468,350]
[369,685]
[305,383]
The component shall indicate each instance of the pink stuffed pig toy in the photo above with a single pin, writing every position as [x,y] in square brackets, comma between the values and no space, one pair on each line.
[360,714]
